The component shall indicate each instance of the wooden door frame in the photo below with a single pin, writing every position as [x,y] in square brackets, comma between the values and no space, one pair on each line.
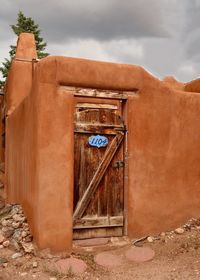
[123,98]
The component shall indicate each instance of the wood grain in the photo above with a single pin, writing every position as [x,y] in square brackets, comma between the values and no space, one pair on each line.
[98,181]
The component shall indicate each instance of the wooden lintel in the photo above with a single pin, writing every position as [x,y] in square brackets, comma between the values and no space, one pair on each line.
[100,93]
[96,106]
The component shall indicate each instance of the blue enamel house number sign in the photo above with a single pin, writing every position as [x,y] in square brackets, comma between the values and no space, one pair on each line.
[98,141]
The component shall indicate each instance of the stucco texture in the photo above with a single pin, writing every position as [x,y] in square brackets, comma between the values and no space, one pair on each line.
[163,124]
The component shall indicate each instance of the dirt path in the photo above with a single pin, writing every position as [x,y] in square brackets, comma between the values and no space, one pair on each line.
[176,257]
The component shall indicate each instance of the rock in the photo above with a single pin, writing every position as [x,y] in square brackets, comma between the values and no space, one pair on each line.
[163,234]
[14,210]
[16,224]
[3,260]
[5,222]
[25,226]
[92,242]
[1,247]
[24,233]
[8,232]
[23,274]
[18,218]
[2,238]
[179,230]
[45,254]
[28,238]
[5,210]
[15,245]
[17,255]
[140,254]
[150,239]
[35,264]
[52,278]
[17,235]
[74,265]
[28,247]
[6,243]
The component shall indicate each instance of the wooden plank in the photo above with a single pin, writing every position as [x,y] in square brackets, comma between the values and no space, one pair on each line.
[97,232]
[97,128]
[94,222]
[89,126]
[100,93]
[96,100]
[108,95]
[96,106]
[96,131]
[84,201]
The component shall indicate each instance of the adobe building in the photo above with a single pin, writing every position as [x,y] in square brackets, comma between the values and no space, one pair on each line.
[99,149]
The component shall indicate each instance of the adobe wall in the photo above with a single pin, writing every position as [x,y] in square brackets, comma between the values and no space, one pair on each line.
[164,154]
[163,149]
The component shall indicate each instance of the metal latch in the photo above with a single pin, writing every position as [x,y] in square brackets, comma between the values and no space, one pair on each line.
[118,164]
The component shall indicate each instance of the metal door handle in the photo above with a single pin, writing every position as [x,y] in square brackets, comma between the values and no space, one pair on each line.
[119,163]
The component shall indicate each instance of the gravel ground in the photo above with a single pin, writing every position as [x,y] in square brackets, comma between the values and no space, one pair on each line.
[177,255]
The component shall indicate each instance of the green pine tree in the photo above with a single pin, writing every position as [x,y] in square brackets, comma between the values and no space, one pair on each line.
[24,24]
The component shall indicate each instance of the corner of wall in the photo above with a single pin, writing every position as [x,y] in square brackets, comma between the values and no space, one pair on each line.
[22,67]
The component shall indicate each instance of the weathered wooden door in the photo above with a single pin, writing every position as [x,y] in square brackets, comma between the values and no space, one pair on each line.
[99,168]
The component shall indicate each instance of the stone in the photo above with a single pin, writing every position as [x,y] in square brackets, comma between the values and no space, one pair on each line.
[3,260]
[16,225]
[28,238]
[17,255]
[18,218]
[6,243]
[150,239]
[179,230]
[5,222]
[6,210]
[24,233]
[14,210]
[1,247]
[74,265]
[35,264]
[25,226]
[140,254]
[28,247]
[108,260]
[17,235]
[2,238]
[91,242]
[163,234]
[23,274]
[8,232]
[15,245]
[52,278]
[118,241]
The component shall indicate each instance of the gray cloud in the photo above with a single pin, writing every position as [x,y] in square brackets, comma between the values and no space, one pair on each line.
[161,35]
[102,20]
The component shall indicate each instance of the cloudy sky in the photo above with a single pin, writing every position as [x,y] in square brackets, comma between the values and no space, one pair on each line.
[163,36]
